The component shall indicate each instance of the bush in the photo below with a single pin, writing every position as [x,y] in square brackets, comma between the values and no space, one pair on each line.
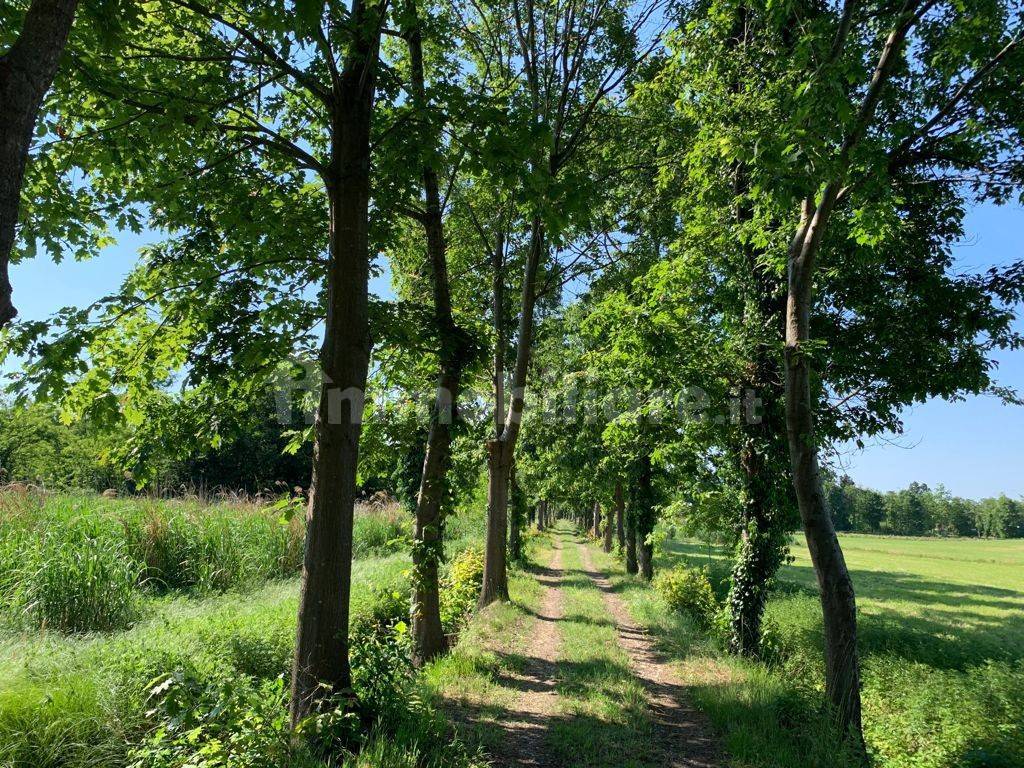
[460,589]
[209,724]
[688,590]
[381,655]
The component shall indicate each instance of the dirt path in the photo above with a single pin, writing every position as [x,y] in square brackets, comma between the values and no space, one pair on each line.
[684,737]
[526,729]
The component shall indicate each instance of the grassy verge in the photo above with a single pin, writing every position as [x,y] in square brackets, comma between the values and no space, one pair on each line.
[471,683]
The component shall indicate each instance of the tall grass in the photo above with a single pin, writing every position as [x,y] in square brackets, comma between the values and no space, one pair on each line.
[81,563]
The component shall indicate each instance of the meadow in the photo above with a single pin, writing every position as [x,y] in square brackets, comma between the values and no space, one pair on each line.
[941,635]
[128,624]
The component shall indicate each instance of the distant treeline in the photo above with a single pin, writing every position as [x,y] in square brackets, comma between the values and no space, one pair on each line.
[36,447]
[922,511]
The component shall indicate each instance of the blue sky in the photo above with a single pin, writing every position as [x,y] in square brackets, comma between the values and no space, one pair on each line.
[975,448]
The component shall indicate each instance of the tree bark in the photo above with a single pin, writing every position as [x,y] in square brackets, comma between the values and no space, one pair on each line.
[495,581]
[644,514]
[501,450]
[631,563]
[620,507]
[595,528]
[27,70]
[838,604]
[453,350]
[321,672]
[609,527]
[541,514]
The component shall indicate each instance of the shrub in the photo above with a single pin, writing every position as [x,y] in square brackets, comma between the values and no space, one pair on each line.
[688,590]
[381,657]
[460,588]
[210,724]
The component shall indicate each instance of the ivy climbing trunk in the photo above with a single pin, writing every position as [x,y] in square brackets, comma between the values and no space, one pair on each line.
[321,672]
[768,511]
[453,354]
[27,70]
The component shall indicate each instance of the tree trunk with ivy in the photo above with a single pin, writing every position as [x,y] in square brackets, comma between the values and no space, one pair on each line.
[453,354]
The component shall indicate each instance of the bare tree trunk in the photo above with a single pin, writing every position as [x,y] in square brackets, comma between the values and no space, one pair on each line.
[501,450]
[609,525]
[321,667]
[645,518]
[620,508]
[838,604]
[27,70]
[541,514]
[596,526]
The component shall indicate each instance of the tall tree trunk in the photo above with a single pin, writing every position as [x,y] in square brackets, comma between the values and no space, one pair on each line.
[768,512]
[453,354]
[838,604]
[541,515]
[645,519]
[620,509]
[495,581]
[609,526]
[27,70]
[501,450]
[595,528]
[321,668]
[631,564]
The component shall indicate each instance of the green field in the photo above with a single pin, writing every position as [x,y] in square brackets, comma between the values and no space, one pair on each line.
[941,635]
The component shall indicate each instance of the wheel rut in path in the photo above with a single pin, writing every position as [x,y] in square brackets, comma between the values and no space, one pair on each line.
[683,737]
[525,730]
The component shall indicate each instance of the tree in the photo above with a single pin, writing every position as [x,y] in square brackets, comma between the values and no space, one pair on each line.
[280,107]
[27,68]
[574,59]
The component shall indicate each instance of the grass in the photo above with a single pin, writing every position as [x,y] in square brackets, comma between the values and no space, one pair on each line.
[72,699]
[79,563]
[941,635]
[603,718]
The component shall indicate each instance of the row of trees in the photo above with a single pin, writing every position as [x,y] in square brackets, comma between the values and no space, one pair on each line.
[711,181]
[920,511]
